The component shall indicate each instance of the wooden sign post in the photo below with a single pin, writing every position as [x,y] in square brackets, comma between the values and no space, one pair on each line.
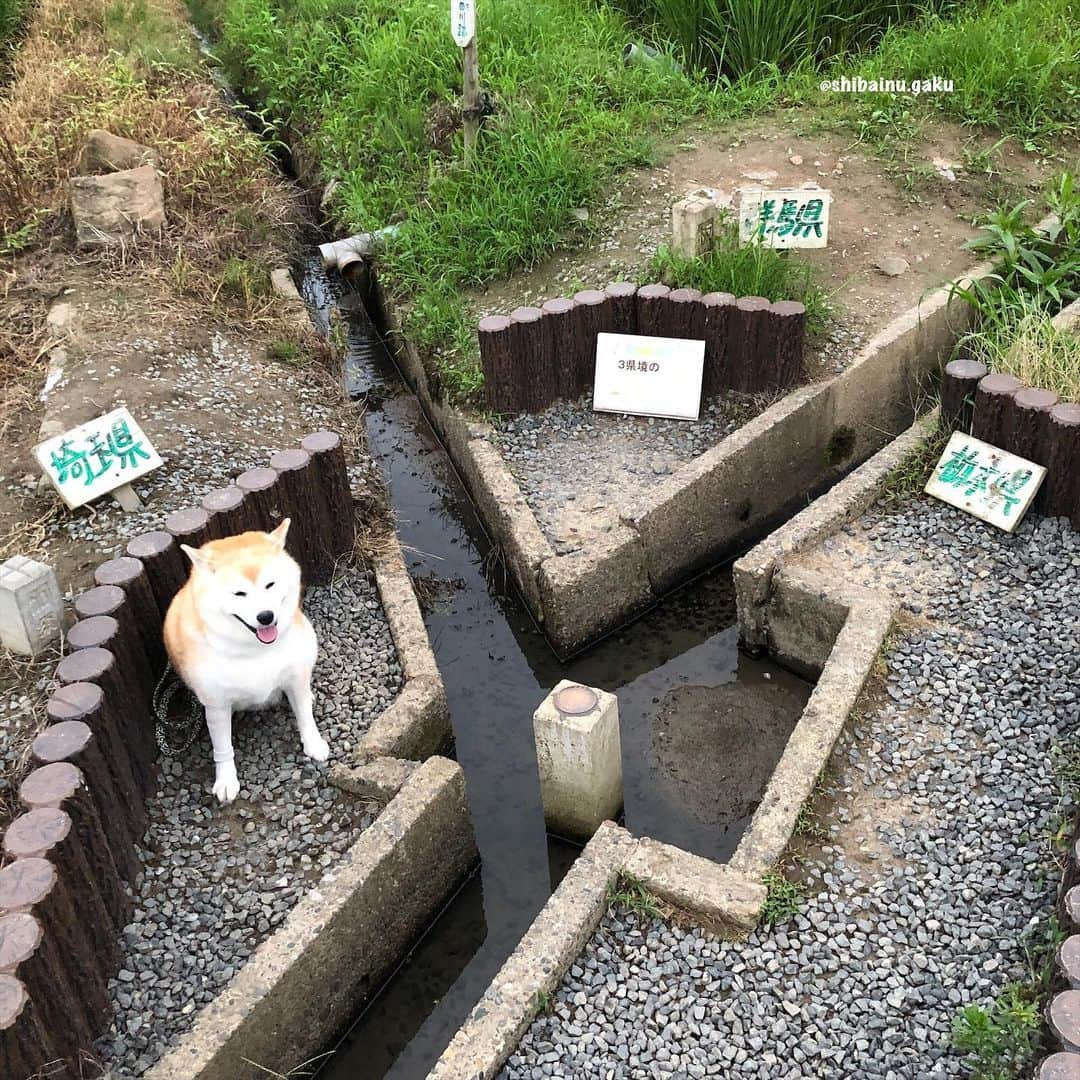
[98,458]
[463,29]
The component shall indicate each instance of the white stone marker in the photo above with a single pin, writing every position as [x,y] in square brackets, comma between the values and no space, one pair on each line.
[580,758]
[693,222]
[31,607]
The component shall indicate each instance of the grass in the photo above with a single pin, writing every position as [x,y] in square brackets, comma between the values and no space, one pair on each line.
[632,894]
[783,899]
[908,477]
[751,270]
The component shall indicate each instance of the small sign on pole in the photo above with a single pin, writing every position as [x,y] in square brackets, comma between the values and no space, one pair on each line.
[988,483]
[648,376]
[97,458]
[463,21]
[785,217]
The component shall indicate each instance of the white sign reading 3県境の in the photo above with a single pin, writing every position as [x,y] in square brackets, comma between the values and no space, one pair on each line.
[648,376]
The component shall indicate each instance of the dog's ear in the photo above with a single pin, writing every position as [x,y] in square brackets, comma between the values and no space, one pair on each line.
[279,534]
[199,559]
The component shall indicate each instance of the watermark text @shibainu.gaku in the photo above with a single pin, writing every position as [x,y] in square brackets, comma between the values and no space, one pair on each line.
[859,85]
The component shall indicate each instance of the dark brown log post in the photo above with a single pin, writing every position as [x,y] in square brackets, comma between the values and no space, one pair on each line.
[592,316]
[684,315]
[622,303]
[190,526]
[959,383]
[747,337]
[497,360]
[301,503]
[1068,961]
[77,742]
[83,858]
[28,955]
[34,886]
[166,565]
[226,509]
[1063,1018]
[261,497]
[127,573]
[1059,1066]
[533,375]
[127,645]
[1061,456]
[717,313]
[1030,420]
[132,741]
[330,473]
[560,318]
[782,356]
[993,406]
[651,310]
[27,1041]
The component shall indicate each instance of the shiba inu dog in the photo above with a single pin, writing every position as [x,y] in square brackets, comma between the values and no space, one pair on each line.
[236,635]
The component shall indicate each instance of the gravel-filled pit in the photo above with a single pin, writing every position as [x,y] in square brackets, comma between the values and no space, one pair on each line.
[218,879]
[576,467]
[932,873]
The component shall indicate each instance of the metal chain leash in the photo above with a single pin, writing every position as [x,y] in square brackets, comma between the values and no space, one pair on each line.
[174,736]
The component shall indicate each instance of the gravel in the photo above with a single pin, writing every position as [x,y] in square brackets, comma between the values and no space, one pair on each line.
[934,871]
[220,879]
[578,468]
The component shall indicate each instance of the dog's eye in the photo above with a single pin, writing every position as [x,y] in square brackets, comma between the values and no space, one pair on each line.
[240,592]
[270,584]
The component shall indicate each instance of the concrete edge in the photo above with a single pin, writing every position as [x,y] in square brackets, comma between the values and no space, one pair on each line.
[416,724]
[509,1005]
[720,898]
[304,982]
[753,573]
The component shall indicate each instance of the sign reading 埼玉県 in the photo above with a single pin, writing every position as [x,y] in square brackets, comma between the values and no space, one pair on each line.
[785,217]
[648,376]
[463,21]
[97,457]
[988,483]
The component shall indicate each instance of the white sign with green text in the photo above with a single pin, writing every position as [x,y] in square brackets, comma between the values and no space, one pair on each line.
[785,217]
[97,458]
[989,483]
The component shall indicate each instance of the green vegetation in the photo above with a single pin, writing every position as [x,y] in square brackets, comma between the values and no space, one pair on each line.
[783,900]
[12,13]
[752,270]
[632,894]
[1037,274]
[908,477]
[736,38]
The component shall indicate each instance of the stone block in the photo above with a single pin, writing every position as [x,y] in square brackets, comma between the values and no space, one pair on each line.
[31,607]
[115,208]
[104,152]
[580,758]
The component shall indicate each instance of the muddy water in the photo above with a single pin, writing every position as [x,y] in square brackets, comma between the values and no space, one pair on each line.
[702,725]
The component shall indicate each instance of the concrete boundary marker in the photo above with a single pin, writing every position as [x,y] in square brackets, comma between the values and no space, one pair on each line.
[714,504]
[302,983]
[416,723]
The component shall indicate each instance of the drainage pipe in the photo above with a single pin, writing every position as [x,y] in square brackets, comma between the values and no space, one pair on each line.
[342,254]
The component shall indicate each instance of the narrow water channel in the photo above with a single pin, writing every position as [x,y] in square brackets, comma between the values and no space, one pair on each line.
[701,724]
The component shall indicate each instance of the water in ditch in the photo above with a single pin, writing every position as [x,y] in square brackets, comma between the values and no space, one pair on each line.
[701,724]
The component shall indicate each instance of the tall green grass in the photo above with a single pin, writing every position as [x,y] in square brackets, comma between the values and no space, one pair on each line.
[12,15]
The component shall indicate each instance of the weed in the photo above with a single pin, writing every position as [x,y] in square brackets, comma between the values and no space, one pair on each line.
[245,281]
[632,894]
[284,350]
[783,899]
[908,477]
[544,1001]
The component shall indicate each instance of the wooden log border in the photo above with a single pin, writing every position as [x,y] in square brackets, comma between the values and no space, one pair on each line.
[530,362]
[68,855]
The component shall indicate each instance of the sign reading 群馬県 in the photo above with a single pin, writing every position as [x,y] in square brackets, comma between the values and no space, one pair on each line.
[785,217]
[648,376]
[990,484]
[97,457]
[462,21]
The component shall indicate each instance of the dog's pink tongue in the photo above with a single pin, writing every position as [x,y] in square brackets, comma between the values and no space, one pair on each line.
[267,634]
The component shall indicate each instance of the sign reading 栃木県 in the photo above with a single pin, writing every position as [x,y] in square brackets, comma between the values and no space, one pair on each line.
[97,457]
[648,376]
[988,483]
[785,217]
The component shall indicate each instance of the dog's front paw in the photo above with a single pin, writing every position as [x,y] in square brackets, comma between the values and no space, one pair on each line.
[317,748]
[226,783]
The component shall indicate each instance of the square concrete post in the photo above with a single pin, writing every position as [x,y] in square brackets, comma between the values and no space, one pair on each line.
[580,758]
[693,221]
[31,607]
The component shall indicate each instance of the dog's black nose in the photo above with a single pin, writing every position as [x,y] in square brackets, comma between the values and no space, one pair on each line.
[265,618]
